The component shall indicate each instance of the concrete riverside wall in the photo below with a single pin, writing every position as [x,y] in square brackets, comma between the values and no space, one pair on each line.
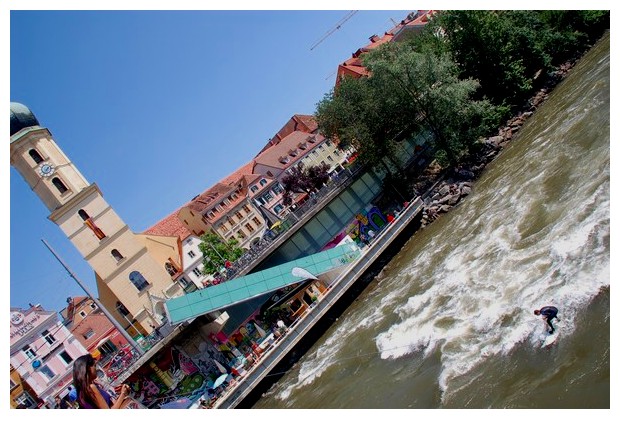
[336,290]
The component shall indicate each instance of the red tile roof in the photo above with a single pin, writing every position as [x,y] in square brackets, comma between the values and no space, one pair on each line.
[274,154]
[353,66]
[297,122]
[170,226]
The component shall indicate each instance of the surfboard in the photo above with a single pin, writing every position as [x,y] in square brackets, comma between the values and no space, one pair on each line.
[549,339]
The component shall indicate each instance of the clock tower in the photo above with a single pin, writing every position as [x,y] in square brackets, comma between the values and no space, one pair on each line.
[127,274]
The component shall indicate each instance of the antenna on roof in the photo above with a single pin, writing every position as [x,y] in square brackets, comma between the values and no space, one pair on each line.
[336,27]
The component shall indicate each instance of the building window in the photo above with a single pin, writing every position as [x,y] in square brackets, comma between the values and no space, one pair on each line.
[91,224]
[211,215]
[256,221]
[189,241]
[197,271]
[191,254]
[278,208]
[67,359]
[138,280]
[93,306]
[59,185]
[25,400]
[231,222]
[329,158]
[83,314]
[184,282]
[30,354]
[117,255]
[241,235]
[107,348]
[268,197]
[88,334]
[239,215]
[263,182]
[121,309]
[48,337]
[269,173]
[45,370]
[36,157]
[249,227]
[277,188]
[328,143]
[170,268]
[224,228]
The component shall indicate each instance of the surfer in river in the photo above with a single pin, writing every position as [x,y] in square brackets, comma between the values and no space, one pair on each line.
[549,313]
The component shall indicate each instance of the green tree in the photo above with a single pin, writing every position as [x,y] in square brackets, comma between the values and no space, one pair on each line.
[215,252]
[503,50]
[365,114]
[435,98]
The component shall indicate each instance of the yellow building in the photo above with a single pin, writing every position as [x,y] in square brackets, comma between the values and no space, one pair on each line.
[130,268]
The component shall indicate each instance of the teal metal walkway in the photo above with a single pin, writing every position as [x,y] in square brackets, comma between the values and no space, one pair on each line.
[245,288]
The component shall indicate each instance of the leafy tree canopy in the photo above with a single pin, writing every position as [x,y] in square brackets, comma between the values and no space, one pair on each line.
[215,252]
[300,180]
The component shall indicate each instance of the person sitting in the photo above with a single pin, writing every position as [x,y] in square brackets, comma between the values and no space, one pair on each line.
[90,394]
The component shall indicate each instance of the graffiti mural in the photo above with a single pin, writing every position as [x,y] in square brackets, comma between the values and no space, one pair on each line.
[168,377]
[373,220]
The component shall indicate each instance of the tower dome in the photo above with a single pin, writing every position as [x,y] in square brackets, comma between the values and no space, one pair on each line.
[21,117]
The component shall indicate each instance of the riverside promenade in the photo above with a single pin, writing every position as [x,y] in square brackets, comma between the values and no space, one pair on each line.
[234,394]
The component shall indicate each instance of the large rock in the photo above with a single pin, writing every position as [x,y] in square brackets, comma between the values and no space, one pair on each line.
[443,191]
[465,190]
[454,199]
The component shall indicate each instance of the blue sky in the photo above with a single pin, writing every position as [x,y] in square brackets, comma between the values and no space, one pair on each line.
[157,106]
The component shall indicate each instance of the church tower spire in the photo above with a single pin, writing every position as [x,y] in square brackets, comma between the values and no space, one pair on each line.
[125,270]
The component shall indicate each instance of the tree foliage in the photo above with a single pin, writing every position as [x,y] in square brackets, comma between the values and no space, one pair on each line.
[505,50]
[215,252]
[303,180]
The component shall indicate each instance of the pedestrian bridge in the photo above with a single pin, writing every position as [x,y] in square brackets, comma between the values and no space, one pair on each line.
[241,289]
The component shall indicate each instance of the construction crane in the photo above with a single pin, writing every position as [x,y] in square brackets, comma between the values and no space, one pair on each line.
[336,27]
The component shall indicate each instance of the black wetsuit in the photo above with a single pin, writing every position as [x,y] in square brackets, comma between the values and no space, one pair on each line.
[550,313]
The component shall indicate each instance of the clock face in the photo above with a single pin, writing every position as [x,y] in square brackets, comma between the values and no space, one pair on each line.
[46,169]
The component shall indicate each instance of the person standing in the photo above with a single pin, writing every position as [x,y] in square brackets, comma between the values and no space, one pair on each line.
[549,313]
[90,394]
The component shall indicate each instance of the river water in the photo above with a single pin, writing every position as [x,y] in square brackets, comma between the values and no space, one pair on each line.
[449,321]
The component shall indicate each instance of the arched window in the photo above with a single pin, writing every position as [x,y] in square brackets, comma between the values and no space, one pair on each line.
[170,268]
[138,280]
[121,309]
[91,224]
[117,255]
[59,185]
[36,157]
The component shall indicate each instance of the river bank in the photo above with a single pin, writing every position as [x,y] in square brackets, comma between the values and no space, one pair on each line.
[444,188]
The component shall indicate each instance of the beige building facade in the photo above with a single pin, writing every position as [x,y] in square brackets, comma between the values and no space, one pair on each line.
[130,270]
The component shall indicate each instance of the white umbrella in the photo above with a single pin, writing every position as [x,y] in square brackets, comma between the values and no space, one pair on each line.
[217,383]
[220,367]
[260,330]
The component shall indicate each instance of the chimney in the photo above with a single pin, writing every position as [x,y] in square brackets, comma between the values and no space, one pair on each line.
[374,38]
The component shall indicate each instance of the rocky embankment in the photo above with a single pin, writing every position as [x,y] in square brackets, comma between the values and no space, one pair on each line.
[445,189]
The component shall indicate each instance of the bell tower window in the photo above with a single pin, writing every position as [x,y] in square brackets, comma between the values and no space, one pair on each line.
[36,157]
[117,255]
[138,280]
[59,185]
[91,224]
